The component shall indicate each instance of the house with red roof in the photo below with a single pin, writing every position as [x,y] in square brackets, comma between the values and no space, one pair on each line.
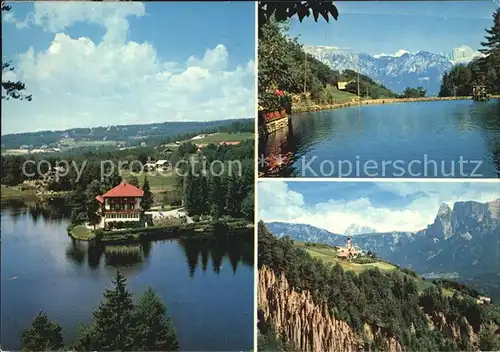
[121,203]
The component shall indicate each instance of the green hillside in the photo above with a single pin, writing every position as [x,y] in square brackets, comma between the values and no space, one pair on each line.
[284,65]
[328,255]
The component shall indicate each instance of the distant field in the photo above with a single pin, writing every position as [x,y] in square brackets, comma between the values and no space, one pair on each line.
[70,142]
[15,151]
[17,192]
[223,137]
[156,182]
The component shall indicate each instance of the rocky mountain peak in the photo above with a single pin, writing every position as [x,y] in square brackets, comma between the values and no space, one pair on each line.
[442,226]
[355,229]
[465,217]
[444,210]
[494,208]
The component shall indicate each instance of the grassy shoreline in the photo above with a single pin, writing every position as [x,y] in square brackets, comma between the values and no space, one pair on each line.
[81,233]
[16,192]
[311,106]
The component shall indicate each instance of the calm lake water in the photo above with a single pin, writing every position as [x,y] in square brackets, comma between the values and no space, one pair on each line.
[423,139]
[207,285]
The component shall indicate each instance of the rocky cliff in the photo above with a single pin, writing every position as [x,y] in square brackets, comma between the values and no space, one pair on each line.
[306,325]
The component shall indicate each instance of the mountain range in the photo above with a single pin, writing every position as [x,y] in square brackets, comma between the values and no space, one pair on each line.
[396,71]
[463,241]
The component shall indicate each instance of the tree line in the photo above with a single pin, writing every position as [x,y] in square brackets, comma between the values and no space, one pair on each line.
[118,324]
[459,81]
[388,300]
[167,132]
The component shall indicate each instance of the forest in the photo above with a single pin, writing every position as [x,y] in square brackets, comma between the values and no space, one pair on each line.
[385,299]
[459,81]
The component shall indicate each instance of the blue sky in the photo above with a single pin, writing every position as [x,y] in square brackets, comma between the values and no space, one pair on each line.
[385,206]
[91,64]
[388,26]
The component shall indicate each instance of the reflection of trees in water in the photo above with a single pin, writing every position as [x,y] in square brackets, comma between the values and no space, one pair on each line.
[94,255]
[49,210]
[235,247]
[15,207]
[487,116]
[279,142]
[311,127]
[238,248]
[118,256]
[123,255]
[76,252]
[53,209]
[204,258]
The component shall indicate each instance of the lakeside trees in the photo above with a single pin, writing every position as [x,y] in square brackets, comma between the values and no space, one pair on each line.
[388,300]
[117,325]
[418,92]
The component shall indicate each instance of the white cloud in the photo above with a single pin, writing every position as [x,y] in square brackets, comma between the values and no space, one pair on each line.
[79,82]
[278,203]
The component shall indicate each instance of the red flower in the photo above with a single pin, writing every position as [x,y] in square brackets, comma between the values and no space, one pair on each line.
[281,93]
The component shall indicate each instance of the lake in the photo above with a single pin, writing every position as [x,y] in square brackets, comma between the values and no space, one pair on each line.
[422,139]
[207,285]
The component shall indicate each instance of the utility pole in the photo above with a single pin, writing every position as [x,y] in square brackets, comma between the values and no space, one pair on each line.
[305,70]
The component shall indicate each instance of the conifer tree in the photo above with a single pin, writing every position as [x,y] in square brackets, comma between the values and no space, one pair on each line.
[154,330]
[490,65]
[231,196]
[216,197]
[92,205]
[189,192]
[490,46]
[113,323]
[78,201]
[148,198]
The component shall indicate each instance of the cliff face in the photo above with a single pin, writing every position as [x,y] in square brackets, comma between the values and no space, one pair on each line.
[307,326]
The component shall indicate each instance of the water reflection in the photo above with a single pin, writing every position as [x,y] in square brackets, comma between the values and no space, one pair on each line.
[198,251]
[50,209]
